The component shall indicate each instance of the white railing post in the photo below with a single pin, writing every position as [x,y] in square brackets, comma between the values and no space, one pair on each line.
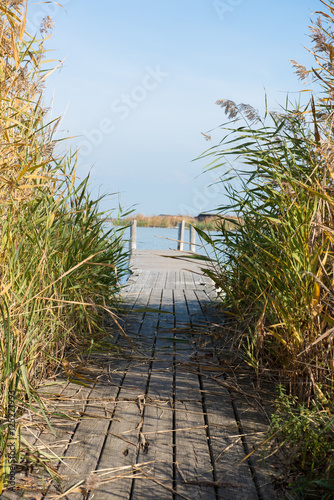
[181,235]
[133,236]
[192,239]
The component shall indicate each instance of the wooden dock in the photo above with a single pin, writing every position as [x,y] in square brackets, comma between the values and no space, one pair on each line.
[163,419]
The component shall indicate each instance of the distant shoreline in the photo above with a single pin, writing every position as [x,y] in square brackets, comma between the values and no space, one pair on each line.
[204,222]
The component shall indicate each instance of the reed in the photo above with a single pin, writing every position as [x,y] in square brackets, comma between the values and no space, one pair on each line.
[277,269]
[59,267]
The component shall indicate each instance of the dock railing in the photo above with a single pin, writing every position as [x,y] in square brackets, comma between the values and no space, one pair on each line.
[180,241]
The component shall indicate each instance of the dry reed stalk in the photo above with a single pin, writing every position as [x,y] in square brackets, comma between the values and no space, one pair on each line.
[277,268]
[59,267]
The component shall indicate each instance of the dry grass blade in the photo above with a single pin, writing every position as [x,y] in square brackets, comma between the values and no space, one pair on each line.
[177,430]
[97,478]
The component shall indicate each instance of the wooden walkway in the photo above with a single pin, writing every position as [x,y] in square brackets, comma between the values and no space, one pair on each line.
[164,420]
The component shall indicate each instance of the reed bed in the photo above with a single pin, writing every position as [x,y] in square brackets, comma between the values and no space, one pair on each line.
[277,268]
[59,267]
[170,221]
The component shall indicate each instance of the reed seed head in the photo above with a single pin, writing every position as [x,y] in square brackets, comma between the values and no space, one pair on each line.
[318,37]
[300,70]
[46,25]
[250,113]
[230,108]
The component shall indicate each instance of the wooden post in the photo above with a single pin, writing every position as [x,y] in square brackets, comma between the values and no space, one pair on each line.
[133,236]
[192,239]
[181,235]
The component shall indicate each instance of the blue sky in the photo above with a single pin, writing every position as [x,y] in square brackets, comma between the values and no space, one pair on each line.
[140,81]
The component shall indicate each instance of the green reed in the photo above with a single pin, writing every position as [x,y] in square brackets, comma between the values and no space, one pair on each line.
[59,267]
[277,268]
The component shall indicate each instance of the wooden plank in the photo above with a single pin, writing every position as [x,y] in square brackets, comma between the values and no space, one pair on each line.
[164,340]
[32,433]
[132,322]
[181,309]
[171,279]
[203,282]
[184,279]
[161,280]
[157,260]
[132,299]
[211,308]
[130,302]
[166,322]
[204,299]
[152,279]
[148,327]
[194,308]
[158,415]
[125,429]
[48,390]
[212,293]
[137,280]
[192,451]
[128,297]
[90,434]
[191,445]
[157,431]
[226,444]
[120,450]
[178,281]
[187,279]
[254,424]
[183,334]
[198,281]
[117,451]
[63,429]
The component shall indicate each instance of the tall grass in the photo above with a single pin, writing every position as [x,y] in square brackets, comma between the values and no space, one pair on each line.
[59,267]
[277,269]
[274,261]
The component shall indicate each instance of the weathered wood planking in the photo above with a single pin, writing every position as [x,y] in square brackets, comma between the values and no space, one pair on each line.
[90,435]
[187,280]
[252,419]
[194,467]
[30,431]
[254,424]
[57,443]
[234,476]
[124,438]
[191,440]
[158,413]
[171,280]
[197,319]
[161,281]
[157,424]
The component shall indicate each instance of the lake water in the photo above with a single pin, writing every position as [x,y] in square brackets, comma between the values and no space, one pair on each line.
[160,238]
